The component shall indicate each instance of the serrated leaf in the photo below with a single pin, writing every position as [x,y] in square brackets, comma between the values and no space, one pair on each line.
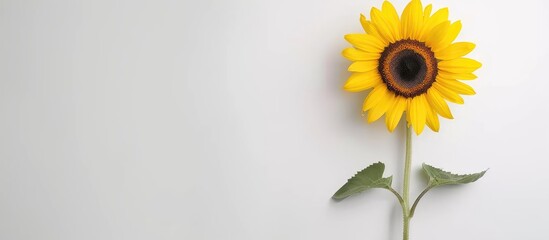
[370,177]
[438,177]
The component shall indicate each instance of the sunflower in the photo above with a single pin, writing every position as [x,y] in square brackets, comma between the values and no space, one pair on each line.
[412,64]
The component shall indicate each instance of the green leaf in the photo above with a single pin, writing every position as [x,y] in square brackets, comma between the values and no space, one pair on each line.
[438,177]
[370,177]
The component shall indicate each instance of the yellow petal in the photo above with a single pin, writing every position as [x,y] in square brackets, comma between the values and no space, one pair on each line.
[408,117]
[412,20]
[363,66]
[370,29]
[427,12]
[456,86]
[354,54]
[365,42]
[375,96]
[459,76]
[417,20]
[394,114]
[381,107]
[389,11]
[432,120]
[459,65]
[362,81]
[404,19]
[435,37]
[439,17]
[438,104]
[391,16]
[449,37]
[418,113]
[448,94]
[366,25]
[456,50]
[382,25]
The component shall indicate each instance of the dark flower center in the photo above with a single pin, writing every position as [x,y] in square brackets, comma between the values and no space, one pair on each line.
[408,67]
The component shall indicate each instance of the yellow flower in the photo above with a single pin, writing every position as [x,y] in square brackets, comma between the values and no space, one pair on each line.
[411,63]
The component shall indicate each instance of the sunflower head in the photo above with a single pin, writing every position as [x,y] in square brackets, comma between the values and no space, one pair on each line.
[412,63]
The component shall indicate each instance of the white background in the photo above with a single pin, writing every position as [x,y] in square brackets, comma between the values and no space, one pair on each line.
[223,119]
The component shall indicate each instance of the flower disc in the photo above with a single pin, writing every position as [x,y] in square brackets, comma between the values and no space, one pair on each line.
[408,67]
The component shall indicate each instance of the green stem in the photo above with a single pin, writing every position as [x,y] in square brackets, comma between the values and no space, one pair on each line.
[413,210]
[406,190]
[406,228]
[400,200]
